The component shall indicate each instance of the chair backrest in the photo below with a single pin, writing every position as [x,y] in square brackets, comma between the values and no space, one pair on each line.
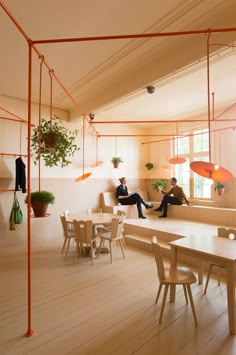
[227,233]
[94,210]
[64,225]
[121,212]
[83,231]
[231,233]
[158,257]
[222,232]
[117,227]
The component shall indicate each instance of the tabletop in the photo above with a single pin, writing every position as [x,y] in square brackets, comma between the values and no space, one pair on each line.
[222,248]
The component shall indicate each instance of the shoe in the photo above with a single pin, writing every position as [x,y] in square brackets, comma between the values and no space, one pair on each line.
[147,206]
[142,217]
[162,216]
[158,209]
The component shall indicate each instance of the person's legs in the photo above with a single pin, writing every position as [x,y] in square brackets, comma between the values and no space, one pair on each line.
[168,200]
[134,199]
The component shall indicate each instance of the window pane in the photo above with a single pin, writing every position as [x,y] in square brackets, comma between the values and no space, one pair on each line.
[201,141]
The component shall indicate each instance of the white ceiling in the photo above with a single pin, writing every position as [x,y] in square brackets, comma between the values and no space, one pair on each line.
[110,77]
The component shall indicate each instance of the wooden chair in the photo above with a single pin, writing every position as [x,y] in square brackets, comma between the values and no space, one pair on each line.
[115,234]
[70,225]
[85,237]
[68,234]
[181,276]
[223,233]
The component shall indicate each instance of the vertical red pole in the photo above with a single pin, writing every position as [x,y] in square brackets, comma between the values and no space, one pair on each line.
[29,331]
[208,95]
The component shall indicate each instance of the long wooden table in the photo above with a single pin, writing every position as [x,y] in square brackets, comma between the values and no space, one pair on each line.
[215,249]
[96,218]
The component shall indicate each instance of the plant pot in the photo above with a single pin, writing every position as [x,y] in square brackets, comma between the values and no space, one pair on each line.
[116,165]
[50,140]
[39,208]
[220,191]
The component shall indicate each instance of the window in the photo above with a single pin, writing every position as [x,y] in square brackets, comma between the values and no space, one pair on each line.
[194,146]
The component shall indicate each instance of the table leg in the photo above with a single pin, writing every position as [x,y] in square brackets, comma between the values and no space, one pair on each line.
[173,265]
[231,297]
[200,272]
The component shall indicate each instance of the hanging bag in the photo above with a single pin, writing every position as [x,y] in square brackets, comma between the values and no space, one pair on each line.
[16,215]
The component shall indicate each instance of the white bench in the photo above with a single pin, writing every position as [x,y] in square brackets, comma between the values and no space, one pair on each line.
[111,205]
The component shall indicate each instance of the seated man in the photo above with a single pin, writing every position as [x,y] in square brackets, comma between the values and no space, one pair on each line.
[126,198]
[176,199]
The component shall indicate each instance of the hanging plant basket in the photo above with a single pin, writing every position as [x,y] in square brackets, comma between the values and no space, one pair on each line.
[116,161]
[53,142]
[149,166]
[219,187]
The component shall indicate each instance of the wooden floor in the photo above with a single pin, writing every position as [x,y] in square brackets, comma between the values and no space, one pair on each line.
[105,309]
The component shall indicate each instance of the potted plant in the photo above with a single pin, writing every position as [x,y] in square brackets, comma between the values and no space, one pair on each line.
[39,201]
[159,185]
[53,142]
[115,161]
[149,166]
[219,187]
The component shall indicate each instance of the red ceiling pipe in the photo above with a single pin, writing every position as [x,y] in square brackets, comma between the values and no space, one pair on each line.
[132,36]
[159,121]
[13,155]
[190,135]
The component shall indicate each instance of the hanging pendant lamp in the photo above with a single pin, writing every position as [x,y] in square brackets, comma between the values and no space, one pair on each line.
[84,176]
[208,169]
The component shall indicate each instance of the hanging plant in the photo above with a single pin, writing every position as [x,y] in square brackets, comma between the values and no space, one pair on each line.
[219,187]
[149,166]
[57,143]
[116,161]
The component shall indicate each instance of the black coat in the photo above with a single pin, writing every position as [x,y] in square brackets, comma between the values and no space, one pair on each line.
[20,175]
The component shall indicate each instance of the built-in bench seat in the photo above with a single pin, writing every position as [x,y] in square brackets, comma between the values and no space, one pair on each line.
[111,205]
[204,214]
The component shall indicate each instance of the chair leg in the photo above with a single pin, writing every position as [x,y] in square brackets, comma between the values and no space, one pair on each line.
[218,275]
[63,247]
[208,278]
[91,248]
[121,248]
[123,241]
[68,245]
[192,304]
[185,293]
[163,302]
[99,248]
[110,250]
[158,293]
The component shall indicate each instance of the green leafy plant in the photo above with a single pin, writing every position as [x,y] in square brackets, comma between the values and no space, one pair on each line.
[43,196]
[53,142]
[116,160]
[159,185]
[149,166]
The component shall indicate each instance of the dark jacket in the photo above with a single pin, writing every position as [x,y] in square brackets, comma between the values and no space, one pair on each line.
[20,175]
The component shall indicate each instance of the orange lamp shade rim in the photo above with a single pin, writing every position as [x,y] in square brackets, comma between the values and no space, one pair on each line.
[211,171]
[83,177]
[177,160]
[97,163]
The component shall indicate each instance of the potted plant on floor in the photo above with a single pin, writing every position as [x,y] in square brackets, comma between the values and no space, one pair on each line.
[219,187]
[149,166]
[159,185]
[39,201]
[116,161]
[53,142]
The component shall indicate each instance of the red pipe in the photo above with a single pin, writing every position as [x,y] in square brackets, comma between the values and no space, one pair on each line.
[225,112]
[29,331]
[190,135]
[136,135]
[13,155]
[208,95]
[158,121]
[131,36]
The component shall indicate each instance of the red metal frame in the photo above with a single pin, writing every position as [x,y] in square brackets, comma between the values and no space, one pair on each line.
[31,45]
